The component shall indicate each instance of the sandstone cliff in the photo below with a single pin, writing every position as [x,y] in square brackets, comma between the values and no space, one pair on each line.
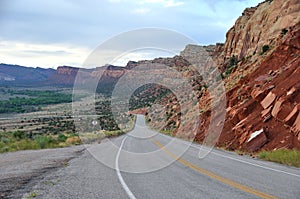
[262,82]
[259,26]
[267,98]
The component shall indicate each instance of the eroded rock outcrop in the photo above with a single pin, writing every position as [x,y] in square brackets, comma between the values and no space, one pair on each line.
[271,94]
[259,26]
[262,87]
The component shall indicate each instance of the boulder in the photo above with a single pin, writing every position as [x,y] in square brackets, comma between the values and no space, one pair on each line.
[290,119]
[258,95]
[268,100]
[257,140]
[277,107]
[291,91]
[282,108]
[266,112]
[296,126]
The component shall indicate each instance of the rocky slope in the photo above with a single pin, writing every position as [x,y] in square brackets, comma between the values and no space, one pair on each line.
[267,98]
[259,62]
[263,82]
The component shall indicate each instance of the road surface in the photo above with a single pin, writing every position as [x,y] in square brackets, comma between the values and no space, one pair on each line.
[147,164]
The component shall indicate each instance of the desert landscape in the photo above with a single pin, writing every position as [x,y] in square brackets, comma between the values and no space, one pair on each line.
[54,120]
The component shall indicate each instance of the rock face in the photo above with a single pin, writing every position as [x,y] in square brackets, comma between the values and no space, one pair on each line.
[271,103]
[67,70]
[259,26]
[66,75]
[263,92]
[192,52]
[109,71]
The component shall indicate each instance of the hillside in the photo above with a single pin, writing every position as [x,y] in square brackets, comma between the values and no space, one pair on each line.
[15,75]
[259,63]
[267,98]
[263,92]
[20,75]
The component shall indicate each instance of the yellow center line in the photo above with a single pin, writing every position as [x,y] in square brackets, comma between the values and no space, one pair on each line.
[214,176]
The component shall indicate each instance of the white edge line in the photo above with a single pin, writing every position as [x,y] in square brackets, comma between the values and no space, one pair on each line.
[238,160]
[257,165]
[124,185]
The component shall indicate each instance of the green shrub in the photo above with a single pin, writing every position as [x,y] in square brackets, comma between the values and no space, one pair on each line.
[19,140]
[264,49]
[233,61]
[5,140]
[3,147]
[113,133]
[26,144]
[19,134]
[61,138]
[283,31]
[44,141]
[33,102]
[283,156]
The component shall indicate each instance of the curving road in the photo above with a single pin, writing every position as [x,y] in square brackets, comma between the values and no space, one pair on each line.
[147,164]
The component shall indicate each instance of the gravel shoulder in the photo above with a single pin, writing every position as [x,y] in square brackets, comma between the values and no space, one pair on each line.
[21,170]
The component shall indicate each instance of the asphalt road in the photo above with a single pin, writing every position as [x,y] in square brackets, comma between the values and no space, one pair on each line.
[20,170]
[147,164]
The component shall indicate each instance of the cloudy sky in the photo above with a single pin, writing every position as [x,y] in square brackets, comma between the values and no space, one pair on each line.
[64,32]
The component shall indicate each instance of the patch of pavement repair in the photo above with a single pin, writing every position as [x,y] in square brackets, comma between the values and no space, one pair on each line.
[20,171]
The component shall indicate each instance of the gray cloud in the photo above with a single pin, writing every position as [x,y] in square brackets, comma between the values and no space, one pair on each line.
[87,23]
[47,52]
